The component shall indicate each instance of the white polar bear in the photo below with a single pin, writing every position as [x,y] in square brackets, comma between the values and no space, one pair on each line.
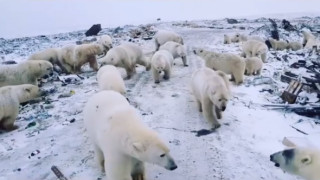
[253,66]
[294,46]
[122,143]
[163,36]
[27,72]
[126,55]
[226,62]
[278,45]
[75,56]
[309,40]
[304,162]
[109,78]
[106,42]
[226,39]
[211,91]
[10,98]
[253,48]
[243,38]
[162,60]
[177,50]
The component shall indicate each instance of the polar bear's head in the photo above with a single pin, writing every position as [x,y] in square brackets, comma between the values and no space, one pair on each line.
[106,42]
[219,96]
[299,161]
[39,68]
[181,50]
[112,58]
[153,150]
[26,92]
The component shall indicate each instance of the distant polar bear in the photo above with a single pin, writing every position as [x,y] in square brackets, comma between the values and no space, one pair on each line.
[211,91]
[309,40]
[226,62]
[10,98]
[161,61]
[27,72]
[226,39]
[253,66]
[177,50]
[304,162]
[122,143]
[253,48]
[78,55]
[109,78]
[294,46]
[126,55]
[278,45]
[163,36]
[106,42]
[243,38]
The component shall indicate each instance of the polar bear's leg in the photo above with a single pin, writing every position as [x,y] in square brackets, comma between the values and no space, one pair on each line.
[167,73]
[199,105]
[7,123]
[184,60]
[209,114]
[118,167]
[157,44]
[218,112]
[99,156]
[264,57]
[238,76]
[138,170]
[258,71]
[156,75]
[93,63]
[130,71]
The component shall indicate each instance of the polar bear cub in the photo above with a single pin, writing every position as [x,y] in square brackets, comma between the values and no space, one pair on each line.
[10,98]
[253,48]
[126,55]
[294,46]
[211,91]
[278,45]
[106,42]
[162,60]
[304,162]
[226,62]
[226,39]
[177,50]
[309,40]
[253,66]
[109,78]
[122,143]
[163,36]
[27,72]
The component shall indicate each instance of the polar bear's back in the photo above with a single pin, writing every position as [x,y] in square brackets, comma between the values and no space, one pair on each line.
[132,50]
[163,57]
[109,78]
[163,36]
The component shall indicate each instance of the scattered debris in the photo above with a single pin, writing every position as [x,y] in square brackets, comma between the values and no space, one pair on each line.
[69,94]
[203,132]
[261,80]
[232,21]
[291,93]
[145,32]
[9,62]
[274,30]
[58,173]
[287,25]
[31,124]
[309,110]
[94,30]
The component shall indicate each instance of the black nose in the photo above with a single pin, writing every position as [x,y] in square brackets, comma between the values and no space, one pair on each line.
[173,167]
[194,51]
[271,157]
[223,108]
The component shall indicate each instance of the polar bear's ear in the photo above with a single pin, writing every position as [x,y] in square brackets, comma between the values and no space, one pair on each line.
[306,160]
[139,147]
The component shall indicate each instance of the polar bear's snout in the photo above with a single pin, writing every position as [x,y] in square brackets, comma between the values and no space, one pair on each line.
[171,165]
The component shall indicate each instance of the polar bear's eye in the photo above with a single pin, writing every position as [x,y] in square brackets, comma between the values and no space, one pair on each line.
[162,155]
[201,51]
[220,99]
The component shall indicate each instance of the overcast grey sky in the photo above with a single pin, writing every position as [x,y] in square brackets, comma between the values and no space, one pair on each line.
[33,17]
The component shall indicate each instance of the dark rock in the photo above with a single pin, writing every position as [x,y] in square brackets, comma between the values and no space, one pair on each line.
[287,26]
[232,21]
[9,62]
[94,30]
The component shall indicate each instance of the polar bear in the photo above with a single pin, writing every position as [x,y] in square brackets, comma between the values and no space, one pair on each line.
[212,92]
[226,62]
[122,143]
[162,60]
[126,55]
[163,36]
[301,161]
[253,66]
[226,39]
[24,73]
[243,38]
[309,40]
[277,45]
[10,98]
[78,55]
[177,50]
[106,42]
[253,48]
[109,78]
[294,46]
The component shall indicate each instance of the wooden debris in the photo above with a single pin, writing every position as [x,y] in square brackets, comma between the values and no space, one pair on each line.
[291,93]
[58,173]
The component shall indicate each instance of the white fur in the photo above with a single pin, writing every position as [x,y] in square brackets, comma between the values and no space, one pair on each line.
[294,46]
[126,55]
[278,45]
[211,91]
[162,60]
[253,48]
[106,42]
[163,36]
[309,40]
[122,143]
[243,38]
[226,39]
[109,78]
[253,66]
[10,98]
[226,62]
[24,73]
[177,50]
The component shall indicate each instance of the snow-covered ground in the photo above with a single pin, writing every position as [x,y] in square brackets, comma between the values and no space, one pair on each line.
[239,150]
